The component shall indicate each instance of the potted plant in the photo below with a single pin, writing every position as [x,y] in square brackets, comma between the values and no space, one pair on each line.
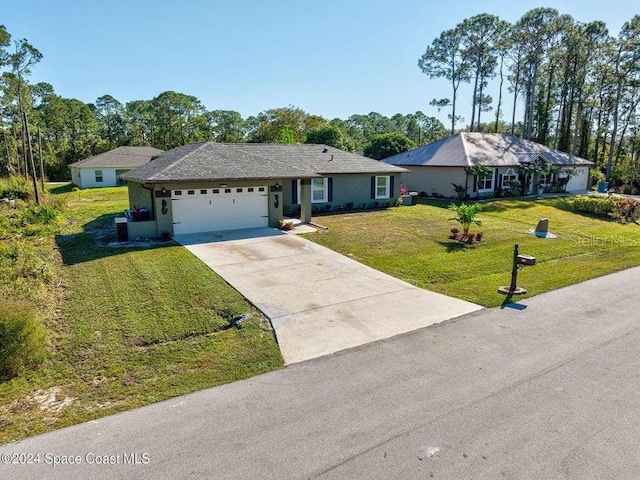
[404,195]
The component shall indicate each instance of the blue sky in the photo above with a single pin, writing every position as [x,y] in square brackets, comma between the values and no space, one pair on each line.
[332,58]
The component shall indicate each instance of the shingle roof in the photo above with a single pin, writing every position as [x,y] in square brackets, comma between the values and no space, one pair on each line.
[492,149]
[251,161]
[120,157]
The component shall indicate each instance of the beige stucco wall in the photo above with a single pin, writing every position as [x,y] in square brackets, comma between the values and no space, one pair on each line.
[439,180]
[435,180]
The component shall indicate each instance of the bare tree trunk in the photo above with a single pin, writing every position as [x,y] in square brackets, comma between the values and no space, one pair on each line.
[614,129]
[6,146]
[474,101]
[495,129]
[15,135]
[33,166]
[41,160]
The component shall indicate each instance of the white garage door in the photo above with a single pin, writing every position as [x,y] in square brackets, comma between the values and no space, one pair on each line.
[208,210]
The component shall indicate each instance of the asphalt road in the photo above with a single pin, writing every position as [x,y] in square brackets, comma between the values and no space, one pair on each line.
[548,390]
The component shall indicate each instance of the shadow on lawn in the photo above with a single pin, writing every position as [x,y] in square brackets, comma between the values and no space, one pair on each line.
[60,189]
[456,246]
[98,240]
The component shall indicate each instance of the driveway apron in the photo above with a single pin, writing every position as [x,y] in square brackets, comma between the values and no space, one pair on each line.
[318,301]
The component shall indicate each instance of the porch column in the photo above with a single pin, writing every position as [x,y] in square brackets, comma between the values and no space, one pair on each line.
[305,200]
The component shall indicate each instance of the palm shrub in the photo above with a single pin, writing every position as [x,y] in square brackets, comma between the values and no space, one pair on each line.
[22,338]
[465,215]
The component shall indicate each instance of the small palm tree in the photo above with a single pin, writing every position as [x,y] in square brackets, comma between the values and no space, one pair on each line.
[465,215]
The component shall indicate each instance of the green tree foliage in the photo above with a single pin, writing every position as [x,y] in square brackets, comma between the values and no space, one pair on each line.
[284,125]
[446,58]
[388,144]
[481,37]
[110,115]
[177,119]
[330,135]
[225,126]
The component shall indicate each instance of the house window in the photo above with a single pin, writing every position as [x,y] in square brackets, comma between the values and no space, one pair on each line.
[485,183]
[190,192]
[250,189]
[318,190]
[215,190]
[177,192]
[98,174]
[238,190]
[508,177]
[120,181]
[546,179]
[227,190]
[382,187]
[203,192]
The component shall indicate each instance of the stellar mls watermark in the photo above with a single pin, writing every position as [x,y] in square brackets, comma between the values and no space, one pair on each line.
[604,241]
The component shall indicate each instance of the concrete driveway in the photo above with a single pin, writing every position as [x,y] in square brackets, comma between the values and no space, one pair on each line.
[319,301]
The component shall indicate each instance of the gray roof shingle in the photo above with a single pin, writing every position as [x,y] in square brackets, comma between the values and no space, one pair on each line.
[252,161]
[130,157]
[467,149]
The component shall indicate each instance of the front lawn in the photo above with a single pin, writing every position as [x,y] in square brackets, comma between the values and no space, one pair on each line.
[127,326]
[412,243]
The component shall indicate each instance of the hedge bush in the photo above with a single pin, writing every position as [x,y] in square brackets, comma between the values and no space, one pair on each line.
[600,205]
[622,209]
[22,338]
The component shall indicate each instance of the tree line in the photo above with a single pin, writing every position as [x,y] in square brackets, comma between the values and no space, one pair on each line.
[577,86]
[65,130]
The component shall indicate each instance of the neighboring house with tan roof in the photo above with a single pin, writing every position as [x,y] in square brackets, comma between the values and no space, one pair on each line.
[104,170]
[438,165]
[210,186]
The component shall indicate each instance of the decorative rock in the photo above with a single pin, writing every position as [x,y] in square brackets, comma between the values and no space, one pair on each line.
[542,229]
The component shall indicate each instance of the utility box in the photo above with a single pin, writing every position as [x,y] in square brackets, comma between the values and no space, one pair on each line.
[526,260]
[122,232]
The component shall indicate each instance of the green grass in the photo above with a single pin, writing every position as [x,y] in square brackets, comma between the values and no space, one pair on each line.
[128,327]
[412,243]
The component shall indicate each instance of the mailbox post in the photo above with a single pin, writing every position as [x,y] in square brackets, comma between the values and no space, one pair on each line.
[519,261]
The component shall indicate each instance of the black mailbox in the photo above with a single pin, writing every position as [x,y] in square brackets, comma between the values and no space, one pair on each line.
[526,260]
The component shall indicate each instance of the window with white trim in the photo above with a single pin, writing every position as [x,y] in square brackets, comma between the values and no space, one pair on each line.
[382,187]
[318,190]
[98,174]
[508,177]
[485,183]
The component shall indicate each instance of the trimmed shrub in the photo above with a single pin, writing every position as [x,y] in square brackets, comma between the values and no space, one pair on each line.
[622,209]
[22,338]
[600,205]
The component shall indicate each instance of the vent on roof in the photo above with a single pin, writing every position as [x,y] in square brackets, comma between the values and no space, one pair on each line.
[325,150]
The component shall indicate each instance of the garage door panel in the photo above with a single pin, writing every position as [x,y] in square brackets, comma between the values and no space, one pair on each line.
[201,212]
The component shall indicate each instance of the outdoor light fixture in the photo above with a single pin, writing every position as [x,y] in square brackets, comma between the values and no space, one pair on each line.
[223,185]
[164,191]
